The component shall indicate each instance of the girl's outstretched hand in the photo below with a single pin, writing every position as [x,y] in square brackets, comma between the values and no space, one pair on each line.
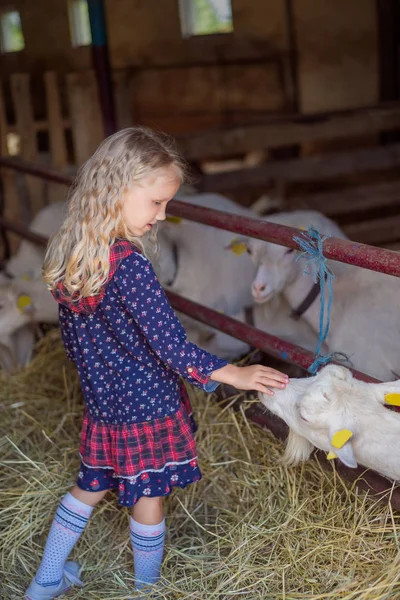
[255,377]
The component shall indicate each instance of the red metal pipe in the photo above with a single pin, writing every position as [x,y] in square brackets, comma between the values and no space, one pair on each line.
[24,166]
[24,232]
[353,253]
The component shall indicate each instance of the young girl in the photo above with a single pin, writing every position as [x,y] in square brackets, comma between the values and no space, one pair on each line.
[130,350]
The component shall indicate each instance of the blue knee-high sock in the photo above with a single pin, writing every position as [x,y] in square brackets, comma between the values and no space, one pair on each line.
[69,522]
[148,547]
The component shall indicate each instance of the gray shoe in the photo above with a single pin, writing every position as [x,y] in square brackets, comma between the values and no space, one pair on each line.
[70,577]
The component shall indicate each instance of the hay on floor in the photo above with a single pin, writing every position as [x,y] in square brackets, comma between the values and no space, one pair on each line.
[250,529]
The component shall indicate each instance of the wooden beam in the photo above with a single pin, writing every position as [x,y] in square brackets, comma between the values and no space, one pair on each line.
[58,146]
[289,130]
[376,232]
[57,138]
[86,117]
[123,98]
[21,94]
[3,124]
[39,125]
[341,202]
[324,166]
[9,200]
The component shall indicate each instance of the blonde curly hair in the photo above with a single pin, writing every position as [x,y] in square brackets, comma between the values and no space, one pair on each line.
[78,253]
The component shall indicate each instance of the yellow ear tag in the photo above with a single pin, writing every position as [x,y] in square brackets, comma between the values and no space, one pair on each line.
[341,437]
[25,277]
[238,248]
[392,399]
[331,455]
[172,219]
[24,302]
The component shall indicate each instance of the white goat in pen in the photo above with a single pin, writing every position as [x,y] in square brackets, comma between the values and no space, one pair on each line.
[345,417]
[24,299]
[365,320]
[27,262]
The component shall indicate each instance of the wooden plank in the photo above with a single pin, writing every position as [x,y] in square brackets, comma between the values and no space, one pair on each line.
[395,246]
[21,94]
[39,125]
[305,169]
[85,114]
[122,97]
[376,232]
[358,199]
[11,208]
[286,131]
[58,147]
[3,124]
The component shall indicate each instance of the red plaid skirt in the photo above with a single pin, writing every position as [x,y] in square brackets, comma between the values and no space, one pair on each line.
[134,448]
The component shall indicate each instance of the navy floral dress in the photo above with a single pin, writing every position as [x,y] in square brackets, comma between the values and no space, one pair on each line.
[131,352]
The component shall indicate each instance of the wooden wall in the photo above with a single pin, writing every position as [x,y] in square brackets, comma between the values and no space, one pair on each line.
[183,85]
[338,53]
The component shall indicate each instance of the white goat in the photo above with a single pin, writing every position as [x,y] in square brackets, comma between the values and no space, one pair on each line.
[365,323]
[19,319]
[29,258]
[23,302]
[345,417]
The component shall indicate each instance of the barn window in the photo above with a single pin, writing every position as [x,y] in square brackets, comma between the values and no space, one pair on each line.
[205,17]
[79,23]
[11,35]
[13,141]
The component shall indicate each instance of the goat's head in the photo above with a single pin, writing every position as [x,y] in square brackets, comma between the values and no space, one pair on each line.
[276,266]
[321,412]
[16,309]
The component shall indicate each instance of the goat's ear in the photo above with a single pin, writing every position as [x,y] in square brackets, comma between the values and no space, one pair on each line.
[238,246]
[24,304]
[173,219]
[338,371]
[392,399]
[298,449]
[342,446]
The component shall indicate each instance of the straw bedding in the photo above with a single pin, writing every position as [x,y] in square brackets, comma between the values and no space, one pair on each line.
[250,529]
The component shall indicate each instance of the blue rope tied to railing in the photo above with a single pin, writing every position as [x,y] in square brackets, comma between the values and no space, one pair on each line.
[316,265]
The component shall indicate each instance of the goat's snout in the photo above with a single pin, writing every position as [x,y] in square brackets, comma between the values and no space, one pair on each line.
[260,291]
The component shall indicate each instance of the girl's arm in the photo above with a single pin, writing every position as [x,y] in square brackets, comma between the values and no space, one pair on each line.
[147,302]
[255,377]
